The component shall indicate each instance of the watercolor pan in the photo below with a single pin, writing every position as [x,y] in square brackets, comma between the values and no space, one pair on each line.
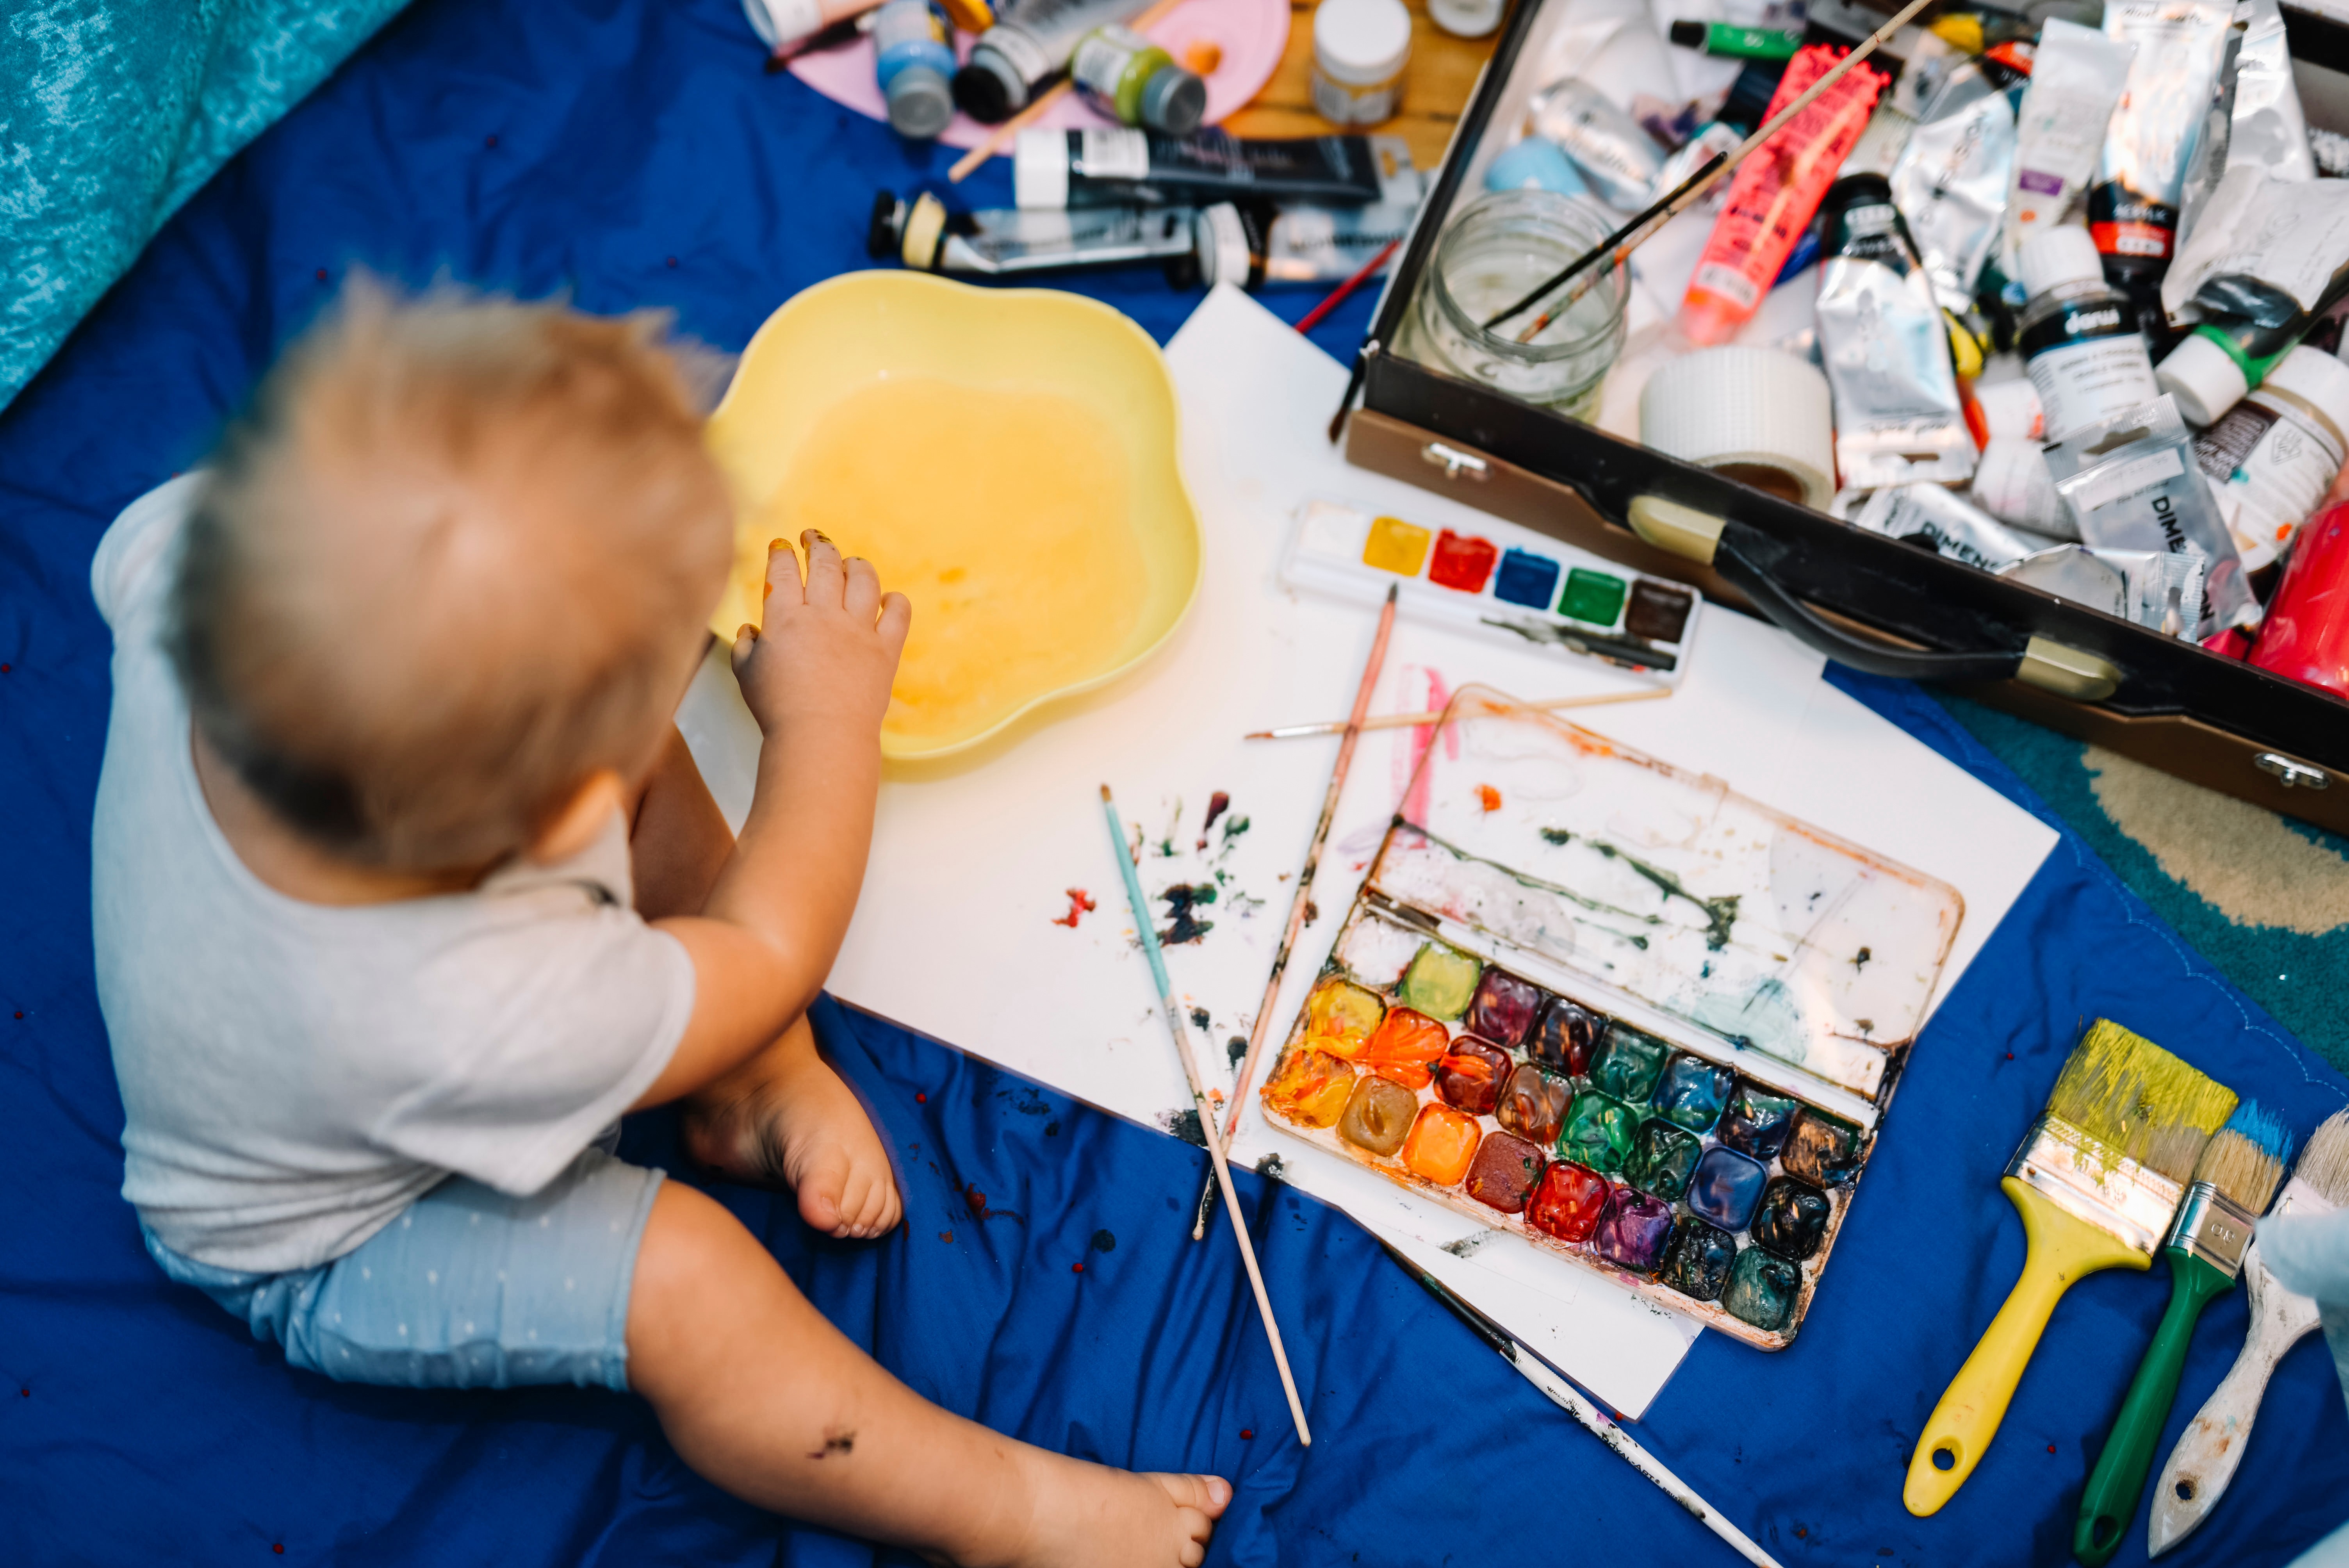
[1499,579]
[1659,911]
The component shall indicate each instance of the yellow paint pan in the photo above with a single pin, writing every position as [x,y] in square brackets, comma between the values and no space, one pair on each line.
[1006,458]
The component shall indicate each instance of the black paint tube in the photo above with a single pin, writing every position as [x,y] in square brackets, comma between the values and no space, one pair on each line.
[927,236]
[1123,167]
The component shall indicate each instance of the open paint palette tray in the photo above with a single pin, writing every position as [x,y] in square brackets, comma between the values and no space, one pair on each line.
[1518,584]
[1619,1012]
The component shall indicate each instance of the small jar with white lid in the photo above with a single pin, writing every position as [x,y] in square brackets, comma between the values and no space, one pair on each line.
[1467,18]
[1361,49]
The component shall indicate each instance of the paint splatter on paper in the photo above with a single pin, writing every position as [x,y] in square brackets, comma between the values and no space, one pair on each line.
[1080,903]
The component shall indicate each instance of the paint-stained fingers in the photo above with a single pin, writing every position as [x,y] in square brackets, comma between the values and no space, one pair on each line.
[782,593]
[745,640]
[826,578]
[897,620]
[862,595]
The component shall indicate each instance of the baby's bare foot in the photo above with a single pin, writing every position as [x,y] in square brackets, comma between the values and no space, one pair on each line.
[1084,1515]
[785,1119]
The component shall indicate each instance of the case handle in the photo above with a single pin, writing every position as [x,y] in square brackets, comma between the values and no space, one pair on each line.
[1863,654]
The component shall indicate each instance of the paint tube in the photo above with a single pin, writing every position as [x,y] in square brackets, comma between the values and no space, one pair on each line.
[2075,80]
[1614,152]
[1946,523]
[1134,81]
[1897,417]
[1123,167]
[1776,193]
[2270,258]
[1255,244]
[2130,483]
[2011,409]
[2011,483]
[1712,138]
[2257,122]
[925,236]
[1951,180]
[2149,144]
[2150,587]
[1031,41]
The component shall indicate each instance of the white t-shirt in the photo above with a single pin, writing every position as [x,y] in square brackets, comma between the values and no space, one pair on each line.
[294,1075]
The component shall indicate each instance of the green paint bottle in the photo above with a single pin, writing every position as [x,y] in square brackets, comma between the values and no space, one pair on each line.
[1737,43]
[1126,76]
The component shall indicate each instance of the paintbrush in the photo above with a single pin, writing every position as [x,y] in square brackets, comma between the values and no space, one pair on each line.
[2233,1180]
[2096,1181]
[2204,1461]
[1568,1397]
[1580,276]
[1414,720]
[1001,136]
[1174,1025]
[1302,899]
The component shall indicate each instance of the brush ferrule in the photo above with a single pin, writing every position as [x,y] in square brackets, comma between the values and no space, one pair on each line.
[2088,1181]
[2212,1227]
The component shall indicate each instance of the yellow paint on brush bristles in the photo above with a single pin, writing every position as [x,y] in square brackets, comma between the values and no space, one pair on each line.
[2136,1101]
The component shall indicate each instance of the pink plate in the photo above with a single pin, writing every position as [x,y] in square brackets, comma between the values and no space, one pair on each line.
[1252,34]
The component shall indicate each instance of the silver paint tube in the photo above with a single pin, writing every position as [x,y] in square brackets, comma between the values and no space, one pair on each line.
[1002,242]
[1951,179]
[2131,482]
[2150,587]
[1618,158]
[1256,242]
[2266,126]
[2266,250]
[1951,525]
[1897,415]
[2076,77]
[1031,40]
[2149,145]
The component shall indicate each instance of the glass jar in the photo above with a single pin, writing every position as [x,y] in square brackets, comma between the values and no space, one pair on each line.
[1501,245]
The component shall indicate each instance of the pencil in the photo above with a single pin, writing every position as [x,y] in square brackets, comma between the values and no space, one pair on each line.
[1174,1025]
[1414,720]
[1570,1399]
[1302,900]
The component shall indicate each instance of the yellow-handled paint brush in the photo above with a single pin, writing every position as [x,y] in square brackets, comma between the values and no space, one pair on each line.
[2097,1181]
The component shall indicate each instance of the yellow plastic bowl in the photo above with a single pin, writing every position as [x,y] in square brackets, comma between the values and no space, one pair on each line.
[1007,458]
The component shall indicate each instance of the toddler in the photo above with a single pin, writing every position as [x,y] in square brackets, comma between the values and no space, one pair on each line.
[406,888]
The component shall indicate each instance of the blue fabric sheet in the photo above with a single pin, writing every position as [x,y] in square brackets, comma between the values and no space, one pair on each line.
[631,153]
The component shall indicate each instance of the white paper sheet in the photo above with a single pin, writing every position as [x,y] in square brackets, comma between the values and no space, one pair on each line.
[955,932]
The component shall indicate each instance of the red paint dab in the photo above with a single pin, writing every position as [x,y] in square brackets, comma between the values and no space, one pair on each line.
[1076,1268]
[322,274]
[6,668]
[1801,1532]
[672,261]
[945,1235]
[976,1200]
[1081,904]
[1488,797]
[278,1547]
[2010,1055]
[2051,1447]
[1247,1434]
[489,141]
[921,1098]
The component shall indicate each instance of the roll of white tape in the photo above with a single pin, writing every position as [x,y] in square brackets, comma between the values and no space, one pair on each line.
[1757,414]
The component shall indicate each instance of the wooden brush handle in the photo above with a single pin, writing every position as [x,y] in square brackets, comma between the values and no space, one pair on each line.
[2062,1249]
[2206,1456]
[2108,1502]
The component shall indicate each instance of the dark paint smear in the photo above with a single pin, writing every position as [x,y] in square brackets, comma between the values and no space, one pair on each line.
[980,1210]
[1181,900]
[1270,1166]
[1217,804]
[1859,960]
[834,1442]
[1236,1048]
[1233,828]
[1105,1242]
[1720,913]
[1184,1125]
[1199,1018]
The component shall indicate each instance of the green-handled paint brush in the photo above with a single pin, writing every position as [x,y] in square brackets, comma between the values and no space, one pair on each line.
[2233,1180]
[2097,1181]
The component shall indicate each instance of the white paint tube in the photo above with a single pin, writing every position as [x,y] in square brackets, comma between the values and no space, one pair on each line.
[1618,158]
[1931,515]
[2149,144]
[1951,181]
[1256,242]
[2077,76]
[1886,352]
[2260,123]
[2011,483]
[2264,236]
[2130,483]
[2150,587]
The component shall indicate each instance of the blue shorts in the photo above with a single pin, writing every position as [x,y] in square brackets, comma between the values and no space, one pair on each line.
[469,1288]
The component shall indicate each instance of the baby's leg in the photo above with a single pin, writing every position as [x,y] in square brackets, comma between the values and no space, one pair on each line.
[784,1119]
[677,838]
[765,1398]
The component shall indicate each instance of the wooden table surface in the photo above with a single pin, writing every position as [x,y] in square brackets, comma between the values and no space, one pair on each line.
[1443,76]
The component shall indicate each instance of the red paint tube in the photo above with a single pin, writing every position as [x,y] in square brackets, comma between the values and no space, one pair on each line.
[1776,192]
[2306,632]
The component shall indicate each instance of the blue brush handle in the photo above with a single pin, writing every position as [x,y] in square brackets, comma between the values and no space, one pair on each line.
[1139,905]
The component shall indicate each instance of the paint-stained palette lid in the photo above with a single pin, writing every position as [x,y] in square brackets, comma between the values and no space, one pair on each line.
[1668,887]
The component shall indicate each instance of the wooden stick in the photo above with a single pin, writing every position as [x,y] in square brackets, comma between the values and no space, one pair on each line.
[1000,137]
[1302,899]
[1594,1420]
[1174,1024]
[1616,246]
[1414,720]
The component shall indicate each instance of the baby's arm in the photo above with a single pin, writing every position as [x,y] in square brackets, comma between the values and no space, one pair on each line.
[817,682]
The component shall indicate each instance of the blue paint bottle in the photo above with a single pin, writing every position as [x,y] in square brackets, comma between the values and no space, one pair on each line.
[913,60]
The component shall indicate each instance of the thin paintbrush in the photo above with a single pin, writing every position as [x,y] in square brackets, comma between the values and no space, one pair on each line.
[1302,899]
[1174,1025]
[1585,270]
[1594,1420]
[1414,720]
[2204,1461]
[2233,1180]
[2097,1181]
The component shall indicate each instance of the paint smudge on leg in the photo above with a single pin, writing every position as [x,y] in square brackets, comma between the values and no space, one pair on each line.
[837,1441]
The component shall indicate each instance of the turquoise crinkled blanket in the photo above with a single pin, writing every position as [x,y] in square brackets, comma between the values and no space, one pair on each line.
[113,112]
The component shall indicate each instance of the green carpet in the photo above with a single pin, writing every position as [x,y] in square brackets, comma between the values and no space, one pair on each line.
[2264,898]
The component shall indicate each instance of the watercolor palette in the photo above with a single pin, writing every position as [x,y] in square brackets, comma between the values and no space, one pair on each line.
[1520,585]
[1620,1012]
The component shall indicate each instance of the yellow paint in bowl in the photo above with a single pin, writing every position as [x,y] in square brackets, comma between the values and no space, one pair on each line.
[1006,458]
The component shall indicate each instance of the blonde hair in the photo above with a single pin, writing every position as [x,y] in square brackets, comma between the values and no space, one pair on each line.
[453,560]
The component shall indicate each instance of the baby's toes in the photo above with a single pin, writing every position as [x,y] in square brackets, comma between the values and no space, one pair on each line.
[823,1190]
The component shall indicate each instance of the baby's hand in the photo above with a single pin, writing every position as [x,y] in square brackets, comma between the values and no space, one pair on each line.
[830,647]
